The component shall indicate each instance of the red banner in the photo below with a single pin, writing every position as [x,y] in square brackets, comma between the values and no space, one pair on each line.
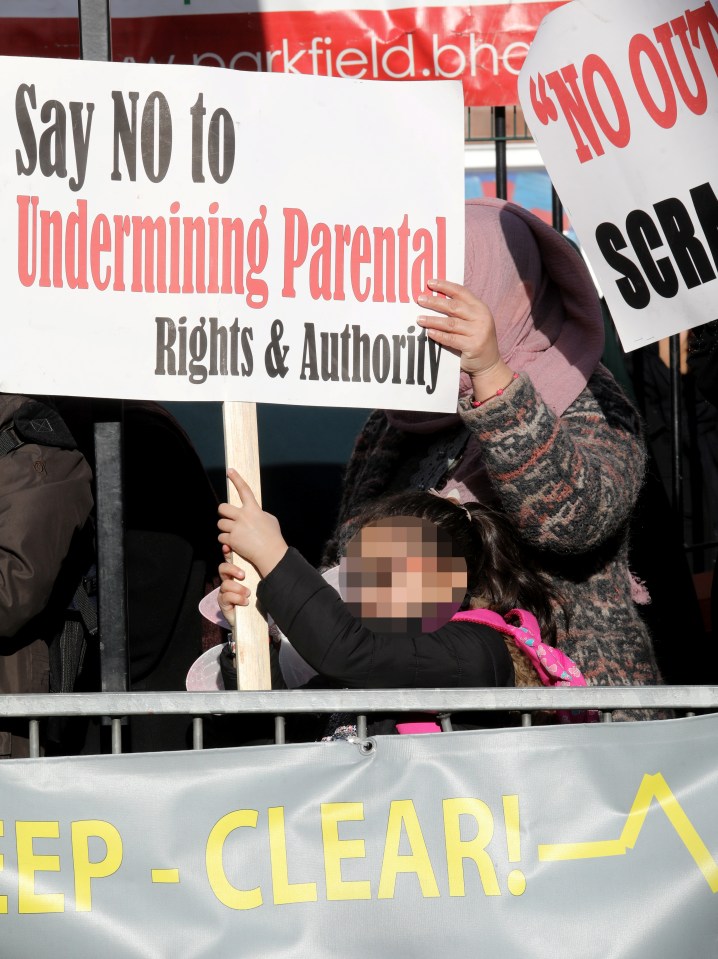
[481,43]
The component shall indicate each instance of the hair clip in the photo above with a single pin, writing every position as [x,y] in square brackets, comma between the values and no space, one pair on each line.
[454,497]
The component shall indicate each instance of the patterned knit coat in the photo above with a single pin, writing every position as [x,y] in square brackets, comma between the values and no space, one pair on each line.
[569,483]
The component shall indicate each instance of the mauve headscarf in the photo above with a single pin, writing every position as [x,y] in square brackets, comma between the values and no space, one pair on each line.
[547,313]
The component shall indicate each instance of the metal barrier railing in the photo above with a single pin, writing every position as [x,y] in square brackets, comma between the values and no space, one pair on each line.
[444,703]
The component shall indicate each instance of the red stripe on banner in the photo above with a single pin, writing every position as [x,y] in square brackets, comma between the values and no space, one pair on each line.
[485,46]
[40,37]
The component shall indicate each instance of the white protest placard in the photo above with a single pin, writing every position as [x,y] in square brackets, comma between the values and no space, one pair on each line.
[622,100]
[177,233]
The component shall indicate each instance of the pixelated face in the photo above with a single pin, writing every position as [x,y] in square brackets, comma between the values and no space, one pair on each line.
[396,569]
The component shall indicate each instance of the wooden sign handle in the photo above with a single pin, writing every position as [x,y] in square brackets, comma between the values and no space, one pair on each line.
[250,633]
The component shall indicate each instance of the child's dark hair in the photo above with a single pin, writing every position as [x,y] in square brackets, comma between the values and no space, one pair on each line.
[499,569]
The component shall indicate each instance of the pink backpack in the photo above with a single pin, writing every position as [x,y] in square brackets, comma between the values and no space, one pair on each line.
[554,667]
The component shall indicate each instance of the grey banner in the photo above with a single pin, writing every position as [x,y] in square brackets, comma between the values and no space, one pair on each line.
[579,841]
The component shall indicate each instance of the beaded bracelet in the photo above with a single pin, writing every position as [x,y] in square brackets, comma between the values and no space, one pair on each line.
[477,403]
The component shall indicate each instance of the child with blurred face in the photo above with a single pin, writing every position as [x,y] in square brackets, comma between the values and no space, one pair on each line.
[400,572]
[398,618]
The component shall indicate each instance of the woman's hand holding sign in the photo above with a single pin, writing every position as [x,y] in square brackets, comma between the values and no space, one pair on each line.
[250,533]
[466,325]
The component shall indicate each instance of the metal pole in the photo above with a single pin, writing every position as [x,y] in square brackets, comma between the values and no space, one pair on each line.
[95,44]
[556,210]
[500,147]
[112,602]
[676,416]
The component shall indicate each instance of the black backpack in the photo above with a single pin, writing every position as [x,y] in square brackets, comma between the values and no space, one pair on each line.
[75,623]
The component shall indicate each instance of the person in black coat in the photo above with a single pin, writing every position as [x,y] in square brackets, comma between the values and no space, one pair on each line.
[408,569]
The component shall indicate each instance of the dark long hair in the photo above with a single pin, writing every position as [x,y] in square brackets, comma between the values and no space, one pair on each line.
[501,571]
